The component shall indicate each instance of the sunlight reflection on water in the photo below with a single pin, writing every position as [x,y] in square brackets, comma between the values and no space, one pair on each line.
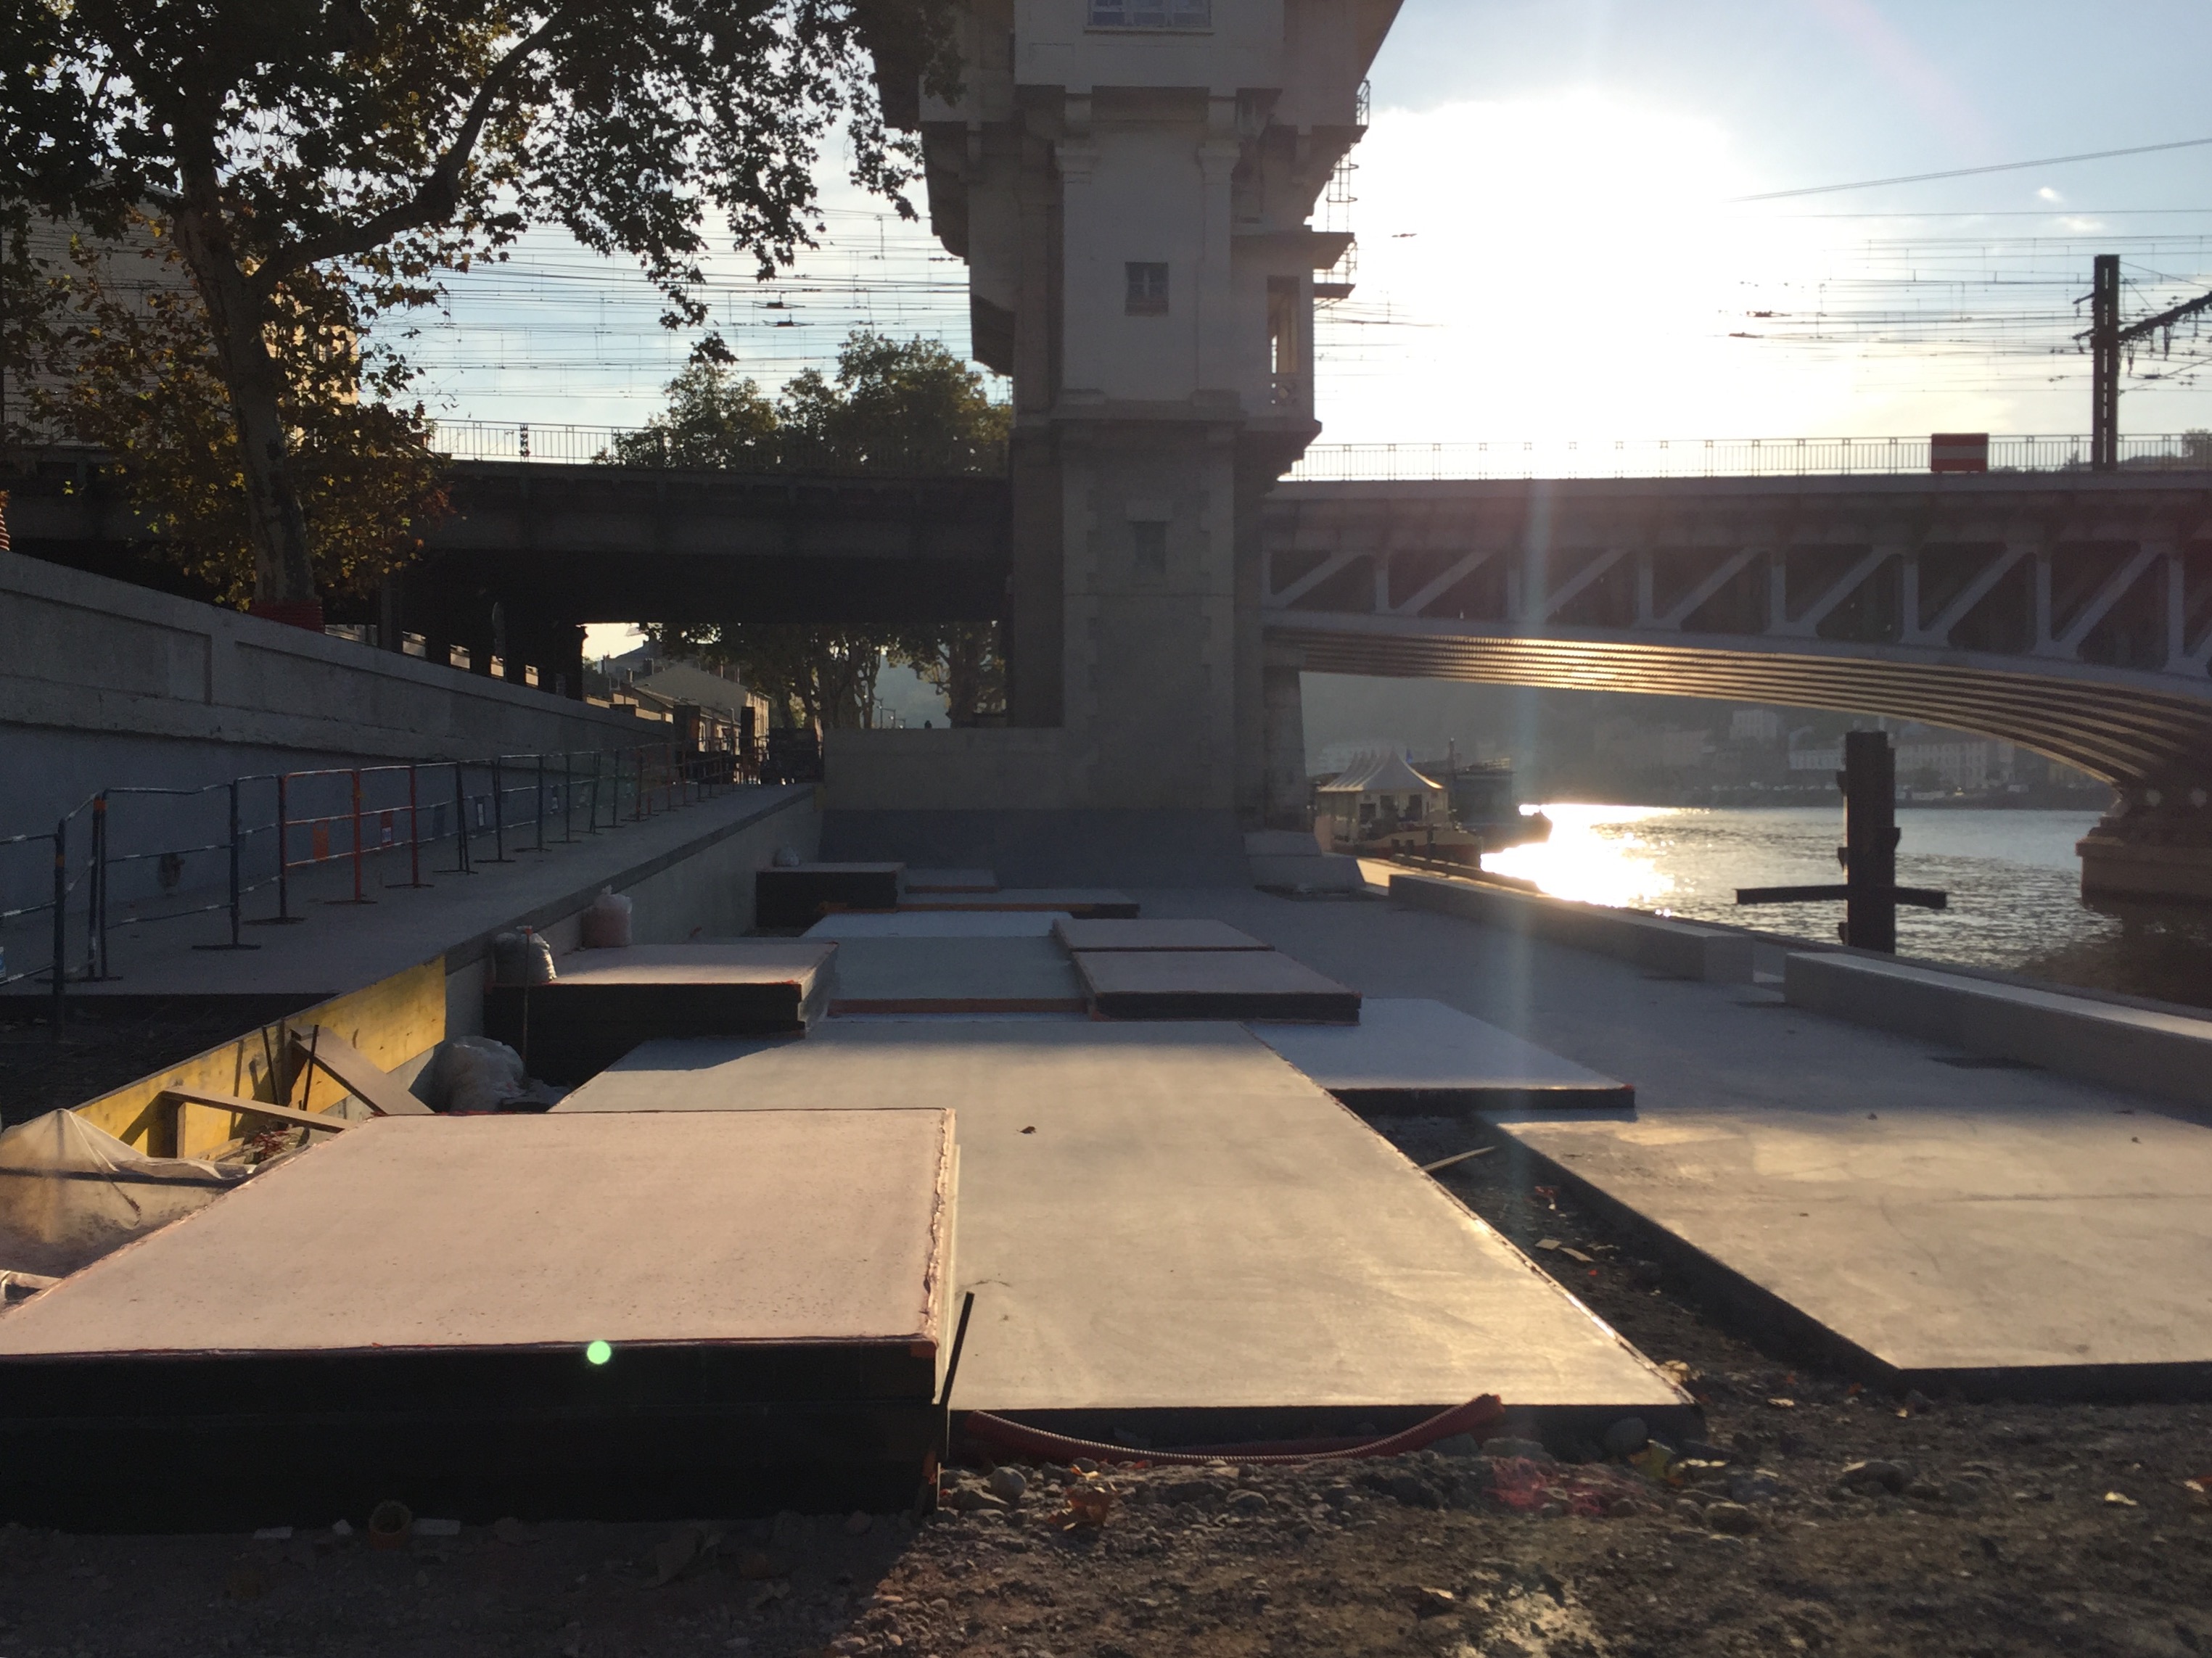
[2013,875]
[1595,854]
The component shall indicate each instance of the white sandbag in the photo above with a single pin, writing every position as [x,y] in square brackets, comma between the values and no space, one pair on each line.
[607,922]
[473,1073]
[521,957]
[71,1191]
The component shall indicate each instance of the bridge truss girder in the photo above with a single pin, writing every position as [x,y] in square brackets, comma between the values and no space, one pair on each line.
[2070,615]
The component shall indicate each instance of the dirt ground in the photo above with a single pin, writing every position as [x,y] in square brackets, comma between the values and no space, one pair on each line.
[1972,1529]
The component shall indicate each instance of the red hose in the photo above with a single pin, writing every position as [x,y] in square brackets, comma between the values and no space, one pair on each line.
[996,1433]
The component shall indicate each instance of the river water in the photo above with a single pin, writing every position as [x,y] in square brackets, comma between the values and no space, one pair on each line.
[2013,881]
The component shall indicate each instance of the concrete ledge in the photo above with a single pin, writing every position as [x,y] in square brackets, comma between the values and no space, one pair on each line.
[2166,1054]
[1682,950]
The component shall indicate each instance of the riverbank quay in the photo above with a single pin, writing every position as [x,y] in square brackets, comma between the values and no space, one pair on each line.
[1819,1509]
[1876,1528]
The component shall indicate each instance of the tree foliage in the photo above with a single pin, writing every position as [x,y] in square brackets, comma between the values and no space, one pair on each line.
[287,145]
[714,419]
[908,407]
[124,364]
[895,406]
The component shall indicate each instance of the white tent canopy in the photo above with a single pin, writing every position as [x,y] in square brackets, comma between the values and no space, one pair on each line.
[1387,773]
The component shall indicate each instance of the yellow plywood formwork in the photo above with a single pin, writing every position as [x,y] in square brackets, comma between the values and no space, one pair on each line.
[389,1022]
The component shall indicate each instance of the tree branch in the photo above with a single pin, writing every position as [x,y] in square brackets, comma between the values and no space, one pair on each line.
[433,199]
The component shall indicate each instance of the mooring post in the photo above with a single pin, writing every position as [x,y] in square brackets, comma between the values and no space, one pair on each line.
[1868,854]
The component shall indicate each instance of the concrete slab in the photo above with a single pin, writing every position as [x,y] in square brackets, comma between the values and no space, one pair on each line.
[410,1314]
[1412,1055]
[606,1002]
[2062,1253]
[1081,901]
[1166,1223]
[799,895]
[1847,1191]
[1153,935]
[955,976]
[1210,984]
[952,880]
[939,924]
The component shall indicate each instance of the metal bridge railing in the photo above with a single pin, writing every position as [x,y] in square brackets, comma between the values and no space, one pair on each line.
[1709,457]
[131,857]
[1562,458]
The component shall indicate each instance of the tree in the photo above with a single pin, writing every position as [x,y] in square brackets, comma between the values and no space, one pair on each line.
[124,364]
[961,660]
[817,676]
[714,420]
[288,142]
[896,406]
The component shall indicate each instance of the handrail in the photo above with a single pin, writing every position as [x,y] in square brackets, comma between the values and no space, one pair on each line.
[1654,458]
[350,817]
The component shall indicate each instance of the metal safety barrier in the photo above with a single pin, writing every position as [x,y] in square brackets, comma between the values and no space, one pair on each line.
[130,861]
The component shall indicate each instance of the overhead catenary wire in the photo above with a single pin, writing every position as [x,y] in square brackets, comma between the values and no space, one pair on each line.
[1972,172]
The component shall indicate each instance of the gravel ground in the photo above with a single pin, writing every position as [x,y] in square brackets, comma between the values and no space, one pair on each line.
[1813,1517]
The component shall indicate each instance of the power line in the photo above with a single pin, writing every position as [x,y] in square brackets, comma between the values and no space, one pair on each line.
[1971,172]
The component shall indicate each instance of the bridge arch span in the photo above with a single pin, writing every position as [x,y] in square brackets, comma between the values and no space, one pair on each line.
[2127,728]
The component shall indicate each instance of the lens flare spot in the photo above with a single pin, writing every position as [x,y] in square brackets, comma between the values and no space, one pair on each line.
[598,1352]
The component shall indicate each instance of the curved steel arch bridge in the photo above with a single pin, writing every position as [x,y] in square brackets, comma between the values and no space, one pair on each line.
[2070,613]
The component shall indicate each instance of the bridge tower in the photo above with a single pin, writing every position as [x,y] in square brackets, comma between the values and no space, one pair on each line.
[1130,183]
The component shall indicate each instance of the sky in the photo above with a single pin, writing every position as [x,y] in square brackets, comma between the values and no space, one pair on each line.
[1551,250]
[1546,216]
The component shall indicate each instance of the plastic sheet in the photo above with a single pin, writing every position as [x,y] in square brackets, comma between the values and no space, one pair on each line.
[469,1075]
[71,1191]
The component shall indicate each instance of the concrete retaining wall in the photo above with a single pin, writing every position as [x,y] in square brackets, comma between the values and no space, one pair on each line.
[2164,1053]
[104,685]
[1684,950]
[971,768]
[703,890]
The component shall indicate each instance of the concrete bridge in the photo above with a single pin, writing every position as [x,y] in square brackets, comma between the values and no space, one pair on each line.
[2070,612]
[534,550]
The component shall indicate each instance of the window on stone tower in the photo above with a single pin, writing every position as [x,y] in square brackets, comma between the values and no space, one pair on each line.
[1151,13]
[1148,290]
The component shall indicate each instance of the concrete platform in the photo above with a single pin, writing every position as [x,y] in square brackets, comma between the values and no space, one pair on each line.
[952,880]
[1168,1231]
[1081,901]
[955,976]
[1210,984]
[1413,1056]
[606,1002]
[799,895]
[406,1311]
[1153,935]
[941,924]
[1877,1198]
[2057,1254]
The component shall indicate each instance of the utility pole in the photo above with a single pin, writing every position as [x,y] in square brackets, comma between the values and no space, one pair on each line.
[2105,365]
[2107,339]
